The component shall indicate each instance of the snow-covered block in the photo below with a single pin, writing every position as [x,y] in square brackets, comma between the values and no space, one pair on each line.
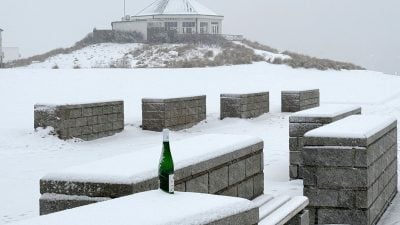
[294,101]
[158,208]
[282,210]
[173,113]
[350,169]
[230,165]
[84,121]
[244,105]
[306,120]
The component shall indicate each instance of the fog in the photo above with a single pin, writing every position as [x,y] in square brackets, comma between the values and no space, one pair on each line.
[365,32]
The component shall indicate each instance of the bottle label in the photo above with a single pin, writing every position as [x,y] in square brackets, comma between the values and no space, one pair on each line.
[171,183]
[165,135]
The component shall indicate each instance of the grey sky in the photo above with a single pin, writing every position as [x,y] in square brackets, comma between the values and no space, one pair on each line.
[366,32]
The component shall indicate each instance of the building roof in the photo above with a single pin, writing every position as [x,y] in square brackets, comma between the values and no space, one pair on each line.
[176,7]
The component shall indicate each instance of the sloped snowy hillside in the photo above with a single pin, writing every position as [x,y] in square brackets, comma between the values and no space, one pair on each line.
[111,55]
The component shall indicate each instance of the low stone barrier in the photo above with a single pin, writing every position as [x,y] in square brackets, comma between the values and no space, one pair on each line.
[157,207]
[350,170]
[83,121]
[294,101]
[304,121]
[174,113]
[230,165]
[244,105]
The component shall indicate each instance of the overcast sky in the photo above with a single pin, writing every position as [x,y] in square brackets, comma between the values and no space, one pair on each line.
[366,32]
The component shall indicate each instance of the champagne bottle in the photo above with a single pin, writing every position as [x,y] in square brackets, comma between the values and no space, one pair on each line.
[166,166]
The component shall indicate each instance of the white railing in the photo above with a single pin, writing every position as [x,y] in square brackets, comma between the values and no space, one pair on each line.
[232,37]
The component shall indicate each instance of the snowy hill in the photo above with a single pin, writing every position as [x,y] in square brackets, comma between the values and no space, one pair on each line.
[27,155]
[112,55]
[190,52]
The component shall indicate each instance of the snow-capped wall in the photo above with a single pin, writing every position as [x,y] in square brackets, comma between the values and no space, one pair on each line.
[230,165]
[304,121]
[350,169]
[83,121]
[173,113]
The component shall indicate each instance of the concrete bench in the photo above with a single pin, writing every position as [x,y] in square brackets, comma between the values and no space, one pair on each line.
[294,101]
[84,121]
[282,210]
[173,113]
[244,105]
[304,121]
[230,165]
[156,207]
[350,169]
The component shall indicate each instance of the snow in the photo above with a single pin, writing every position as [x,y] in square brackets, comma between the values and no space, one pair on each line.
[26,156]
[140,166]
[268,56]
[176,7]
[106,55]
[55,197]
[280,216]
[357,126]
[150,208]
[328,110]
[94,56]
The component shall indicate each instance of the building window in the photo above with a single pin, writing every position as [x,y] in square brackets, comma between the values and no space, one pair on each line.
[214,28]
[154,24]
[188,27]
[203,28]
[169,26]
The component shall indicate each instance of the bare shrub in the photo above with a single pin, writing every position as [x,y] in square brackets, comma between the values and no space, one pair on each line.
[122,63]
[55,67]
[259,46]
[232,54]
[209,54]
[236,55]
[308,62]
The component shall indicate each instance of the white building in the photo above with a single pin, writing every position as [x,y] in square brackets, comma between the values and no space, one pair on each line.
[180,16]
[1,49]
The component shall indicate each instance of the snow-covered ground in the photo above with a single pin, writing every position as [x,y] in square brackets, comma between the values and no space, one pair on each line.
[26,156]
[134,55]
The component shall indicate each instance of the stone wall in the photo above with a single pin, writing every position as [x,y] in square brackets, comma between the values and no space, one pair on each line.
[238,173]
[83,121]
[351,179]
[294,101]
[174,113]
[304,121]
[244,105]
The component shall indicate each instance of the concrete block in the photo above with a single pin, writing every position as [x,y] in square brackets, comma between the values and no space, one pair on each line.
[218,179]
[245,189]
[299,129]
[198,184]
[342,216]
[237,172]
[230,191]
[258,183]
[253,165]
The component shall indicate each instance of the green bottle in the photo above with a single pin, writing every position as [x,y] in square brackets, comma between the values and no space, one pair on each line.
[166,166]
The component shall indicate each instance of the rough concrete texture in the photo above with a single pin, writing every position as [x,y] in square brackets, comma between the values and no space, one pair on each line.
[294,101]
[83,121]
[351,184]
[175,113]
[238,173]
[298,126]
[244,105]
